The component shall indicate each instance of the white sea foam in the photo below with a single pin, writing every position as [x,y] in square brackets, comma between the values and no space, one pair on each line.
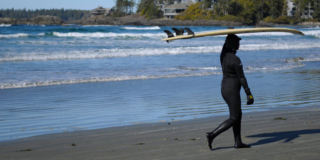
[278,46]
[142,28]
[310,59]
[5,25]
[99,79]
[13,35]
[96,25]
[41,34]
[106,35]
[198,68]
[275,67]
[108,53]
[208,71]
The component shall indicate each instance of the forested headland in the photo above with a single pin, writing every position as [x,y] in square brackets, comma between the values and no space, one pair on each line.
[253,11]
[248,12]
[64,14]
[244,11]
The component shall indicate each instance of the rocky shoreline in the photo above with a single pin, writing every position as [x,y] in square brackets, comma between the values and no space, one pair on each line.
[138,20]
[135,20]
[40,20]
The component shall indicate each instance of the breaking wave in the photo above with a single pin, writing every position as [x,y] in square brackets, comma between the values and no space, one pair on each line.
[13,35]
[274,68]
[99,79]
[5,25]
[106,35]
[142,28]
[96,25]
[110,53]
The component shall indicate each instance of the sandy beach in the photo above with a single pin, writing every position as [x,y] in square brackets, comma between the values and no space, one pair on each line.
[287,133]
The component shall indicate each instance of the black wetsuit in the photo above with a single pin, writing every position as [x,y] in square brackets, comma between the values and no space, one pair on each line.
[233,79]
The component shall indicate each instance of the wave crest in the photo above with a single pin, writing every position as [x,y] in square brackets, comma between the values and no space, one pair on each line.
[13,35]
[109,53]
[107,35]
[142,28]
[5,25]
[99,79]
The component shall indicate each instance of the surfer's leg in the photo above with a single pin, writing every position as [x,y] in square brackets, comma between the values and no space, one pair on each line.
[237,129]
[236,114]
[227,96]
[223,127]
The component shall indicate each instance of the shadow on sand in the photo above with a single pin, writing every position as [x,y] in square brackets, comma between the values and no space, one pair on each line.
[287,136]
[279,136]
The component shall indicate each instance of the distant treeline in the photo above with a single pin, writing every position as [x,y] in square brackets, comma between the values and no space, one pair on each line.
[64,14]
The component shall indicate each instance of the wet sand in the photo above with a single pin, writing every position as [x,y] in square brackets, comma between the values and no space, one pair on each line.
[296,135]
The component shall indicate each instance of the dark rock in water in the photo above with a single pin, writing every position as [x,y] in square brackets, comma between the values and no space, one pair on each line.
[280,118]
[296,59]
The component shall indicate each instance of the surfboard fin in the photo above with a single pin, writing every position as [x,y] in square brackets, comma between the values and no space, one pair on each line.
[169,34]
[190,32]
[178,31]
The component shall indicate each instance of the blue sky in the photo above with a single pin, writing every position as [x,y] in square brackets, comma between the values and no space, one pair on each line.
[57,4]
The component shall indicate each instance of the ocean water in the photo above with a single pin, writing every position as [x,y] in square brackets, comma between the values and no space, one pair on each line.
[56,79]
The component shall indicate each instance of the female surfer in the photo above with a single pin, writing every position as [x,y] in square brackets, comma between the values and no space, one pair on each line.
[233,79]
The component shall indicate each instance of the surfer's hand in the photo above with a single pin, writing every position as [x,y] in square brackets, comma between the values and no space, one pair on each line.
[250,99]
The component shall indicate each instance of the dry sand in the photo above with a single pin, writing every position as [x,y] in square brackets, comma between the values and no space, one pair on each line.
[297,137]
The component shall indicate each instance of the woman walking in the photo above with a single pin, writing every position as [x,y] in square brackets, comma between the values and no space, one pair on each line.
[233,79]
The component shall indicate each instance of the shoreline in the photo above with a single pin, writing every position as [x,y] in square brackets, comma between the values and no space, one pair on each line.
[136,20]
[270,138]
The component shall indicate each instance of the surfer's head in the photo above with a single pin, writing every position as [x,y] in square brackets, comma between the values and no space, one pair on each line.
[232,42]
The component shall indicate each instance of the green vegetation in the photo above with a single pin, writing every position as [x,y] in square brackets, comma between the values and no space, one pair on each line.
[68,14]
[196,11]
[237,11]
[149,9]
[251,11]
[123,7]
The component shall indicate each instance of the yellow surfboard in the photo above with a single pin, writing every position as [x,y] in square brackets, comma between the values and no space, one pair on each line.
[225,32]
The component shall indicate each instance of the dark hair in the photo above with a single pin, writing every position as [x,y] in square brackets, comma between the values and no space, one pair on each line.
[232,41]
[230,45]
